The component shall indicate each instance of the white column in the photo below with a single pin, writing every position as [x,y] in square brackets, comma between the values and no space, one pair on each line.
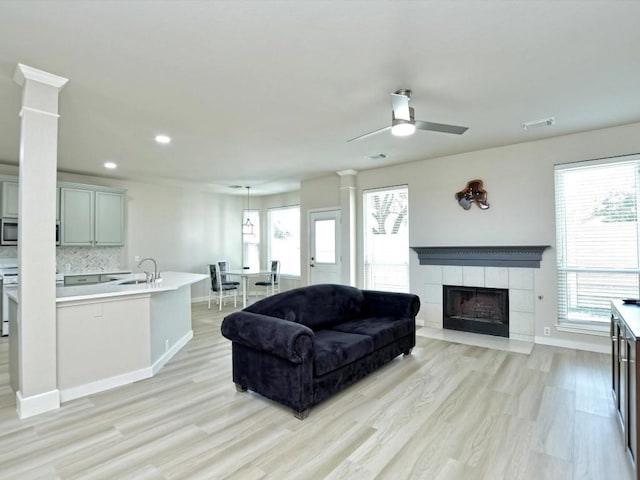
[38,390]
[348,212]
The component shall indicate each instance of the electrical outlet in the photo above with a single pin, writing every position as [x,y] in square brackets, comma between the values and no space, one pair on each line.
[136,258]
[547,331]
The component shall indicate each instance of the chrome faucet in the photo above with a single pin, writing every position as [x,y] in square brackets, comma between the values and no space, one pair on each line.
[156,274]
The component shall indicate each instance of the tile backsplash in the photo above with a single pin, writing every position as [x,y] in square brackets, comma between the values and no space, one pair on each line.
[80,259]
[83,259]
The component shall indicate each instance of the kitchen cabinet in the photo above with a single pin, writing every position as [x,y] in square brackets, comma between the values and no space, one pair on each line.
[88,279]
[625,340]
[9,199]
[109,218]
[91,217]
[76,216]
[91,278]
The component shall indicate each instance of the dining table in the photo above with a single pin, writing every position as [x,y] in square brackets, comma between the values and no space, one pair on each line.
[245,274]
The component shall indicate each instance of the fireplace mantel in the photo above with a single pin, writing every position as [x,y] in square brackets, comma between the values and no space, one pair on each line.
[527,256]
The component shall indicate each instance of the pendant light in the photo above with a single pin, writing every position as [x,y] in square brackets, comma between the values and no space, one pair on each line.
[247,227]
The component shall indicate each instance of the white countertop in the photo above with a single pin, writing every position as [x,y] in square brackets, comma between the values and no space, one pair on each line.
[170,281]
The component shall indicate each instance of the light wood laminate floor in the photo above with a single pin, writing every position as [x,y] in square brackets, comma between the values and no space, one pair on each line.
[448,411]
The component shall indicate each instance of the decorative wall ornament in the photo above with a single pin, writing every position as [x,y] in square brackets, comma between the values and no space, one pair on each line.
[473,192]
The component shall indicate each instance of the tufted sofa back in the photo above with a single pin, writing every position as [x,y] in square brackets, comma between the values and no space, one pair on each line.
[316,306]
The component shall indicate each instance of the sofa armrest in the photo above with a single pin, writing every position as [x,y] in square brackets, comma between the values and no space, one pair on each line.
[391,304]
[283,338]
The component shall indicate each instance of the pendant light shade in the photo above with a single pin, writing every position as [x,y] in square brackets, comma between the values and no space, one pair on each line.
[247,227]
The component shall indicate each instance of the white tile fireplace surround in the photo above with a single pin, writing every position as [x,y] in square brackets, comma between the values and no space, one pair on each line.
[519,282]
[508,267]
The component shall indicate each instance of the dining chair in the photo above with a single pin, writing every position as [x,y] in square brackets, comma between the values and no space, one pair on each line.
[224,267]
[221,291]
[273,282]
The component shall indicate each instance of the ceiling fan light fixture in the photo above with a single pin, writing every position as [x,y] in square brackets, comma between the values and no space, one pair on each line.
[402,128]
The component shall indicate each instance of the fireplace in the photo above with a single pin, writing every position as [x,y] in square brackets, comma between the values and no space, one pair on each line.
[476,309]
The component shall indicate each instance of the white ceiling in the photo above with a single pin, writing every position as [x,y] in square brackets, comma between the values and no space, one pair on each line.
[266,93]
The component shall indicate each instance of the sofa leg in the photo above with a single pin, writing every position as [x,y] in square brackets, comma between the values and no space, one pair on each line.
[240,388]
[302,414]
[407,352]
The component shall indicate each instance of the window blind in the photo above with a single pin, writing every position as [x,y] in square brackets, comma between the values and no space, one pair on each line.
[597,237]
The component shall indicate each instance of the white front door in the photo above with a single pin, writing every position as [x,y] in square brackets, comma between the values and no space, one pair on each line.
[325,263]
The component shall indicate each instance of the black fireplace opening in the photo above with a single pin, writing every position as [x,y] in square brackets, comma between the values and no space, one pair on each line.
[476,309]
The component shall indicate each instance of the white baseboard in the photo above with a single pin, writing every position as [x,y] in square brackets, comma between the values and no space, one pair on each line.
[158,364]
[589,347]
[37,404]
[105,384]
[200,299]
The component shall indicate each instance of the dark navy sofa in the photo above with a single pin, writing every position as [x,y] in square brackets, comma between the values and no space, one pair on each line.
[301,346]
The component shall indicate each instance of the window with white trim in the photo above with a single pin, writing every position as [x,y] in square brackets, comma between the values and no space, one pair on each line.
[386,239]
[597,237]
[284,238]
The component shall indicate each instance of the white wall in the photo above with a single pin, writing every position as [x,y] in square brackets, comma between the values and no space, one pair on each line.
[519,180]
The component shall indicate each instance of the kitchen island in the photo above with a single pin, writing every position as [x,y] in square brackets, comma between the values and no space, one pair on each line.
[113,333]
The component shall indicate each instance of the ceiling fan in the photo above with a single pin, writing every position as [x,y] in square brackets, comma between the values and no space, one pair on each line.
[403,120]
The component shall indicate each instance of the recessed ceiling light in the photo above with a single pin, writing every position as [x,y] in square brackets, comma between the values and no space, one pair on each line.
[110,165]
[543,122]
[164,139]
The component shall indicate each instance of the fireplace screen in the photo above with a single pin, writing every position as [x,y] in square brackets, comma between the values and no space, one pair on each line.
[475,309]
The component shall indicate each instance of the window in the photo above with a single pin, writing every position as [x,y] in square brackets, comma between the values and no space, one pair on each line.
[325,240]
[597,237]
[386,239]
[284,238]
[251,242]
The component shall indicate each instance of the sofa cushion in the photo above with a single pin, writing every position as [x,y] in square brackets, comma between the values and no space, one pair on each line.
[383,330]
[317,306]
[335,349]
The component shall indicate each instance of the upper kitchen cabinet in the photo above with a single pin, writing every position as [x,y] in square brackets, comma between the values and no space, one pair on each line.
[9,199]
[109,218]
[90,217]
[77,216]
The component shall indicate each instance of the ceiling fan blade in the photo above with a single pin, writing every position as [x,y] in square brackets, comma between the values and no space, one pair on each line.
[400,105]
[368,134]
[440,127]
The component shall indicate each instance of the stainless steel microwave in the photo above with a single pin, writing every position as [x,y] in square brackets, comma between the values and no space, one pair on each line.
[9,232]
